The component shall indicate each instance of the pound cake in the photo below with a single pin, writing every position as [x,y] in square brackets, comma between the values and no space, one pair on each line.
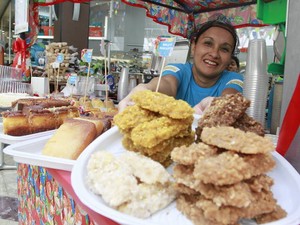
[70,139]
[15,123]
[37,115]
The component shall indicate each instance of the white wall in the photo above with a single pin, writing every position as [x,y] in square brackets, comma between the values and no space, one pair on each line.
[134,28]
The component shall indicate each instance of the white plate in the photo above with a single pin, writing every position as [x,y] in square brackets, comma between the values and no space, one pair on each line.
[30,152]
[9,139]
[286,188]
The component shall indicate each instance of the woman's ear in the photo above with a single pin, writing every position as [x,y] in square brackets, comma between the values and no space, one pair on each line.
[192,49]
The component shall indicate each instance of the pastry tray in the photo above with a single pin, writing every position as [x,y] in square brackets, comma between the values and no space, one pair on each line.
[286,188]
[29,149]
[30,152]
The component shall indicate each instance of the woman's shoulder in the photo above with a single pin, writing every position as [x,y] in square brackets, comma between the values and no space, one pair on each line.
[232,75]
[171,66]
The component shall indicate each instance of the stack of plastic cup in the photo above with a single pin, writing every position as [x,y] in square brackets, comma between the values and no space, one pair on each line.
[123,83]
[256,80]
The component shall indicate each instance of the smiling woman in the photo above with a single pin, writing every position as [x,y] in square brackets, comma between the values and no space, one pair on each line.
[207,77]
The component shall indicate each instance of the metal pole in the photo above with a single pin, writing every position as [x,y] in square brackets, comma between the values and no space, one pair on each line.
[9,35]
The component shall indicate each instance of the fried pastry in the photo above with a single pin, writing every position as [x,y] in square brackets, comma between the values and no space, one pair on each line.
[163,104]
[264,203]
[224,110]
[277,214]
[236,140]
[130,183]
[133,116]
[188,155]
[187,205]
[248,124]
[229,167]
[238,195]
[149,134]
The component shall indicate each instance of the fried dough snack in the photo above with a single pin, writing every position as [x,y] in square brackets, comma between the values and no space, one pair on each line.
[163,104]
[187,205]
[149,134]
[238,195]
[236,140]
[188,155]
[277,214]
[131,183]
[133,116]
[155,125]
[230,167]
[248,124]
[264,203]
[221,178]
[224,111]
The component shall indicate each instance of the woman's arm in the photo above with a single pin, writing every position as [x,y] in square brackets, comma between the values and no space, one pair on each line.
[168,86]
[229,91]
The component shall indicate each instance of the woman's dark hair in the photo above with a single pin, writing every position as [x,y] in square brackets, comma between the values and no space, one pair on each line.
[237,61]
[217,23]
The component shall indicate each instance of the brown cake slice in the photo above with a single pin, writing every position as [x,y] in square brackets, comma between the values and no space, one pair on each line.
[41,120]
[15,123]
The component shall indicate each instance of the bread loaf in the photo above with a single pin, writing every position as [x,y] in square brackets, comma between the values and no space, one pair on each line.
[70,139]
[99,123]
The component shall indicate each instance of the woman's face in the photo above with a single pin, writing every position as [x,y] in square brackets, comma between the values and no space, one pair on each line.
[212,52]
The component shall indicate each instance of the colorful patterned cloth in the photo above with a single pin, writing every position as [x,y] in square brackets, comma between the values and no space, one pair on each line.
[185,18]
[42,201]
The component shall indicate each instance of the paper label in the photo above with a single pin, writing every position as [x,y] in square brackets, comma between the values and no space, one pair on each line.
[72,79]
[164,46]
[86,55]
[60,58]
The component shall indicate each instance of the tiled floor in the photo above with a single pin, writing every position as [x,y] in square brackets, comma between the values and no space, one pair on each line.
[8,194]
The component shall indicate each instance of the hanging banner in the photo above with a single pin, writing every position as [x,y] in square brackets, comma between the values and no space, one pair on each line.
[21,16]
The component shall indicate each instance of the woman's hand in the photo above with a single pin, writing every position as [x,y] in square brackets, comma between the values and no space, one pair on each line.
[202,106]
[127,100]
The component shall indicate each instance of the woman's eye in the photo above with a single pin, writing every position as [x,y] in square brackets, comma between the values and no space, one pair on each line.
[208,43]
[225,49]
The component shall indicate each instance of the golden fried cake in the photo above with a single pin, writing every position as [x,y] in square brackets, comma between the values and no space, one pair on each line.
[236,140]
[97,103]
[163,104]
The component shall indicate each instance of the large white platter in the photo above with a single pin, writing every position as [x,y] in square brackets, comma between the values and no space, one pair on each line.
[286,188]
[9,139]
[30,152]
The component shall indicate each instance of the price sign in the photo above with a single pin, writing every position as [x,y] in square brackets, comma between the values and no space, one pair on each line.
[60,58]
[72,79]
[86,55]
[164,46]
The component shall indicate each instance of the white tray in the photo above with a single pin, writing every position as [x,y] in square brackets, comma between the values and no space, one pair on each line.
[30,152]
[286,189]
[9,139]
